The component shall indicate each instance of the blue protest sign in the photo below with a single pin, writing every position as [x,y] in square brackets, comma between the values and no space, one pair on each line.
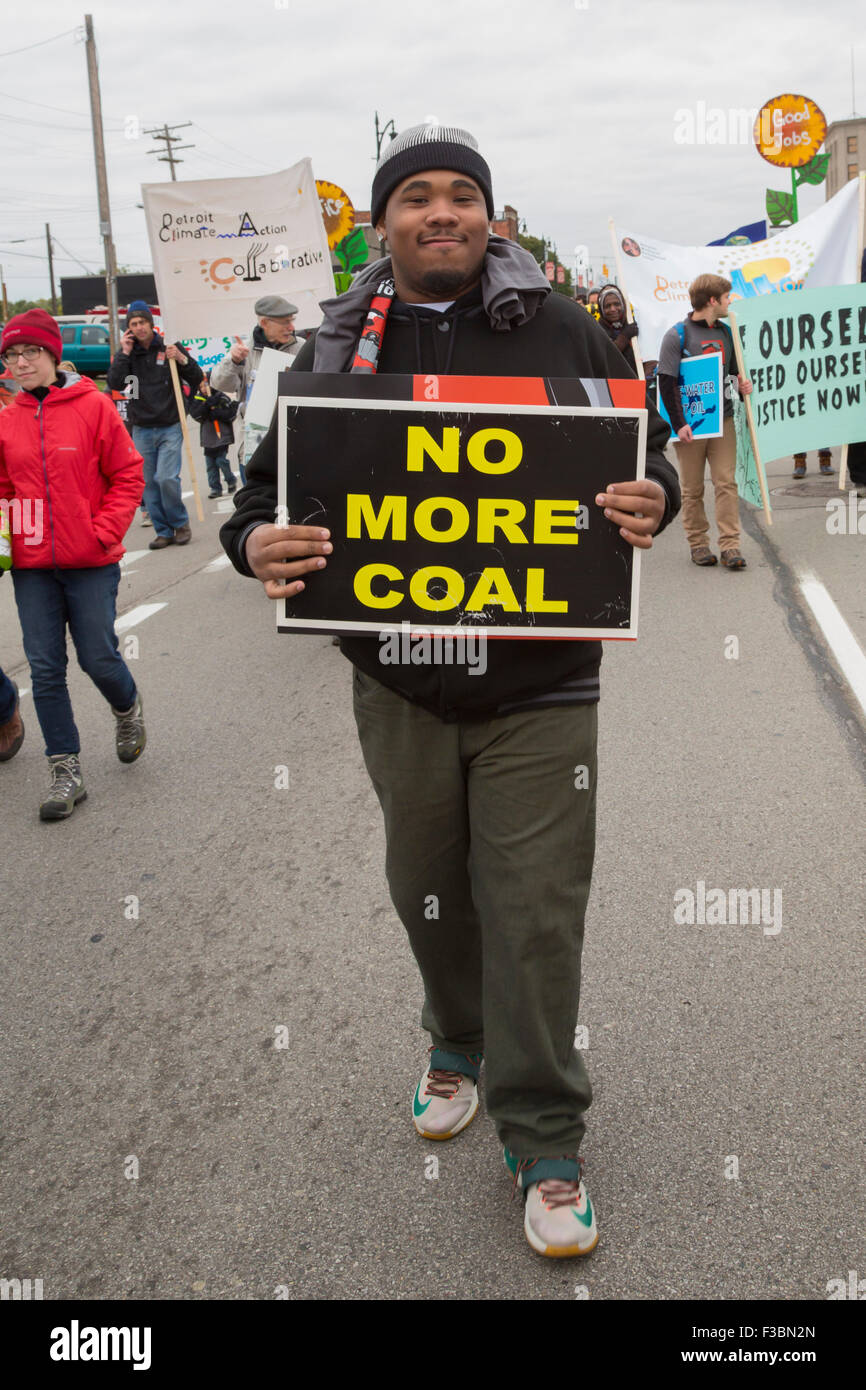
[701,393]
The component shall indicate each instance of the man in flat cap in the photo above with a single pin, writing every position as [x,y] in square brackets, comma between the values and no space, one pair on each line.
[237,371]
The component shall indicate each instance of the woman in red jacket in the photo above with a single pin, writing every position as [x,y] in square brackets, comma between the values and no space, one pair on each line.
[71,479]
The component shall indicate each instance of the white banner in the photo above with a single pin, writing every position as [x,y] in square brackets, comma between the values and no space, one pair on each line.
[819,250]
[218,245]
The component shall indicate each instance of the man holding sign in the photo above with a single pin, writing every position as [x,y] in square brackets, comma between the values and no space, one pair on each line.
[504,760]
[700,333]
[275,329]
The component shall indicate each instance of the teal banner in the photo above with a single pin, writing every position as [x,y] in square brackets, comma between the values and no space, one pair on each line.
[805,354]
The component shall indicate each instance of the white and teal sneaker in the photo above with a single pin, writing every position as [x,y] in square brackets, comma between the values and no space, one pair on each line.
[558,1220]
[444,1101]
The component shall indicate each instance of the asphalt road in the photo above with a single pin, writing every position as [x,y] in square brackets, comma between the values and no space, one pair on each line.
[724,1148]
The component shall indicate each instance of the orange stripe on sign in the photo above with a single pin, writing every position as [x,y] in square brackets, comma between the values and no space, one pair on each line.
[480,390]
[628,394]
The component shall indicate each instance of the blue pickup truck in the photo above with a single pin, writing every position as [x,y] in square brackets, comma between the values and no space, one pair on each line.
[87,345]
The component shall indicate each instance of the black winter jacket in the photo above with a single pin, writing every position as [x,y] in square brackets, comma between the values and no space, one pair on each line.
[561,340]
[155,401]
[215,407]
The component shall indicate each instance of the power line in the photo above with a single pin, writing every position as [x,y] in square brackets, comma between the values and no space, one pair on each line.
[30,256]
[43,125]
[64,110]
[243,153]
[12,51]
[69,253]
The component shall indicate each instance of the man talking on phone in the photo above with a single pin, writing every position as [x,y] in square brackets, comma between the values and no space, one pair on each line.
[156,430]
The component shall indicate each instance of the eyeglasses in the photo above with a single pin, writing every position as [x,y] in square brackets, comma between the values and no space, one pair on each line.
[30,354]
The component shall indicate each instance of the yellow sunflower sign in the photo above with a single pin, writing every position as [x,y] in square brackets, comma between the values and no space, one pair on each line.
[338,213]
[789,131]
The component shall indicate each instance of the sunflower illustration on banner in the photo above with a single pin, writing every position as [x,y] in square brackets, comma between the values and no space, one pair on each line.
[345,239]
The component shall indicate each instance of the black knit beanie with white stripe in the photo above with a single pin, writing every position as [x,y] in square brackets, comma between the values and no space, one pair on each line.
[428,147]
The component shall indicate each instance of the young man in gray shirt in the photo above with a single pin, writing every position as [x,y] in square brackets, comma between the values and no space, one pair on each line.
[699,333]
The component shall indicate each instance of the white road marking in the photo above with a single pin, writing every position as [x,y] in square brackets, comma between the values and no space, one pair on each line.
[187,494]
[132,555]
[226,505]
[843,644]
[137,615]
[219,563]
[25,690]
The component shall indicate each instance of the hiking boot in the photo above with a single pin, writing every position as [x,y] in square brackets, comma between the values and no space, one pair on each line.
[733,560]
[558,1217]
[145,519]
[183,535]
[67,787]
[130,735]
[215,494]
[12,732]
[160,542]
[825,459]
[702,555]
[444,1101]
[799,466]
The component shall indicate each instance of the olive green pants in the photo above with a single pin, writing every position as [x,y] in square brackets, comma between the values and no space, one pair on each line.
[490,830]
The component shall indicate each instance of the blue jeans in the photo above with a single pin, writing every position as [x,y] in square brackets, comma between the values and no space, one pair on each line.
[7,698]
[160,446]
[86,600]
[216,463]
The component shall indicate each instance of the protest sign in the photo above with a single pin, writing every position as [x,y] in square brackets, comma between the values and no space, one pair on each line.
[819,250]
[806,358]
[262,395]
[701,394]
[789,130]
[748,483]
[471,517]
[207,351]
[218,245]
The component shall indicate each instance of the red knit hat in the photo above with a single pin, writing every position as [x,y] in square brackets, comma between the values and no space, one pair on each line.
[37,327]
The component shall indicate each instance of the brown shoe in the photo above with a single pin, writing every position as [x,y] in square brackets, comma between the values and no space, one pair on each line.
[160,542]
[702,555]
[182,536]
[11,733]
[733,560]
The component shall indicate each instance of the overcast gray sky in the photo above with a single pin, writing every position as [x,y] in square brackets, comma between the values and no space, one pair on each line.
[573,105]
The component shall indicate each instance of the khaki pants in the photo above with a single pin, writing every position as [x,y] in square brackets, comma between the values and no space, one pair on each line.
[721,455]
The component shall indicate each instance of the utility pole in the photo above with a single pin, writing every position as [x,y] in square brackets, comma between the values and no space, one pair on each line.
[51,269]
[102,185]
[3,290]
[169,156]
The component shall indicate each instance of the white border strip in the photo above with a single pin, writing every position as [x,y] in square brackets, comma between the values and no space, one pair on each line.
[137,615]
[843,644]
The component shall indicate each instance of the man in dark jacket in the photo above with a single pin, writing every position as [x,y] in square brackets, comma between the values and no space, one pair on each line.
[156,429]
[489,761]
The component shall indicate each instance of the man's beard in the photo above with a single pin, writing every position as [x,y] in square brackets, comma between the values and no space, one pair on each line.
[445,284]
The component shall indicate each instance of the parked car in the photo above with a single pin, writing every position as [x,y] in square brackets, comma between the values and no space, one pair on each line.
[87,345]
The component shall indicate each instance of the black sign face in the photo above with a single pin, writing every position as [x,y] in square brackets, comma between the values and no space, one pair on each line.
[480,518]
